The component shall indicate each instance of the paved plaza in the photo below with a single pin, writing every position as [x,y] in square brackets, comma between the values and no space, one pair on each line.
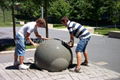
[91,72]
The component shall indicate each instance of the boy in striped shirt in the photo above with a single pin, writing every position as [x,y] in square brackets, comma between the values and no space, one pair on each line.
[78,31]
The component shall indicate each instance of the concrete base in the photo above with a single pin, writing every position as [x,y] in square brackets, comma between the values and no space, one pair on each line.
[20,22]
[114,34]
[50,25]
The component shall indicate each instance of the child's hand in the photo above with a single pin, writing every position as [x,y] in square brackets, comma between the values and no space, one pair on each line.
[45,38]
[70,44]
[35,45]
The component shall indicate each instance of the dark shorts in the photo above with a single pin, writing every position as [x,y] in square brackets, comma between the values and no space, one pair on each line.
[81,46]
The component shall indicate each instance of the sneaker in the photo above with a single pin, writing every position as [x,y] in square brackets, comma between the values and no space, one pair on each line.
[77,69]
[16,63]
[23,67]
[85,63]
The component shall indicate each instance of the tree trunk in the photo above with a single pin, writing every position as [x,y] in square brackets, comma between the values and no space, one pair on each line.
[3,15]
[13,19]
[45,7]
[3,11]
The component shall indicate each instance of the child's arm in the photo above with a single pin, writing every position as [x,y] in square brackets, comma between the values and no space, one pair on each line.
[39,36]
[28,38]
[71,42]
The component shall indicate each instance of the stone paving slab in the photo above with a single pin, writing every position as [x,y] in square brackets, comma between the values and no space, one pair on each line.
[92,72]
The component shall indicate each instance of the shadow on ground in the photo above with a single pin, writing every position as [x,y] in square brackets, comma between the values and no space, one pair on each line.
[32,66]
[6,43]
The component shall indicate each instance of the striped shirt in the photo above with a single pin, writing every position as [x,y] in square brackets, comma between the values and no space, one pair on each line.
[78,30]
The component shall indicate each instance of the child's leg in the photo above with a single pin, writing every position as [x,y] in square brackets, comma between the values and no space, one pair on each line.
[20,49]
[21,59]
[85,53]
[15,57]
[79,58]
[86,56]
[79,50]
[22,66]
[16,62]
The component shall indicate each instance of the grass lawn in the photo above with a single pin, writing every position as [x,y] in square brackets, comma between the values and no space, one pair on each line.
[58,26]
[11,47]
[102,31]
[8,24]
[99,30]
[6,20]
[105,31]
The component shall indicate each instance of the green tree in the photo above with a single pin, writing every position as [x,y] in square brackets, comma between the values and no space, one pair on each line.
[80,9]
[9,4]
[100,7]
[115,13]
[3,6]
[59,9]
[45,4]
[94,10]
[28,10]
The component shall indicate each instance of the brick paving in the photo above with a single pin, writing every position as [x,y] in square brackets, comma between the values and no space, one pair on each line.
[92,72]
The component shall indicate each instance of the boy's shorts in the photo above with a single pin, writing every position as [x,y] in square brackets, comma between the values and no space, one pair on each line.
[81,46]
[20,45]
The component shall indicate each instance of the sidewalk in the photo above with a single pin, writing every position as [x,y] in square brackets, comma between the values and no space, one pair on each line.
[93,72]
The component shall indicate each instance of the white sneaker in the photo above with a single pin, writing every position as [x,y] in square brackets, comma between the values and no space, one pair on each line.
[23,67]
[16,63]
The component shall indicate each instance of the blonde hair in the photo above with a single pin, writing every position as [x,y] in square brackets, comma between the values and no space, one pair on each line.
[41,21]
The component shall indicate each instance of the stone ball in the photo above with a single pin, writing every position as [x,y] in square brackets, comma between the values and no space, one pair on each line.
[53,55]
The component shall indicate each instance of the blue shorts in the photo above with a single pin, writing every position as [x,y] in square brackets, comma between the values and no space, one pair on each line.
[81,46]
[20,45]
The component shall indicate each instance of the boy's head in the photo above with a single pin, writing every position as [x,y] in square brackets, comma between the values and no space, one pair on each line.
[64,20]
[40,22]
